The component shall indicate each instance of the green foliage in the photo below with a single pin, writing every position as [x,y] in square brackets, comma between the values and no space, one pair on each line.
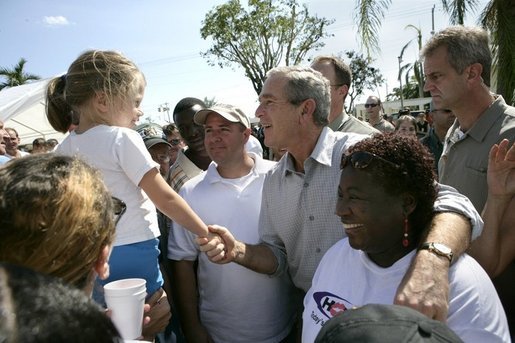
[497,18]
[210,102]
[410,90]
[416,66]
[16,76]
[364,76]
[262,36]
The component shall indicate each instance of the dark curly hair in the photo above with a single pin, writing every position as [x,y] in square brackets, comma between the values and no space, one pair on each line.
[415,177]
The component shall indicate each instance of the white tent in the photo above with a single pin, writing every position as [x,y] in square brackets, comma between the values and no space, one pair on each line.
[23,108]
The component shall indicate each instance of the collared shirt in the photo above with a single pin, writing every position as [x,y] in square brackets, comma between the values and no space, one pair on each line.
[347,123]
[246,300]
[384,126]
[464,161]
[181,171]
[297,215]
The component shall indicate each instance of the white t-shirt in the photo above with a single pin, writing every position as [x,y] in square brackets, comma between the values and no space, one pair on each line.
[122,158]
[235,303]
[347,277]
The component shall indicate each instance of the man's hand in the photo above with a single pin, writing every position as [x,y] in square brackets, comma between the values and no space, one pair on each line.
[425,287]
[159,314]
[219,246]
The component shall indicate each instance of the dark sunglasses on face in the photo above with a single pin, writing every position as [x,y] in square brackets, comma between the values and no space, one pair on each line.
[119,209]
[362,159]
[370,105]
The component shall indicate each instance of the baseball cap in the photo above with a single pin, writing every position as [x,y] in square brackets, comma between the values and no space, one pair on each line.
[384,323]
[152,134]
[229,112]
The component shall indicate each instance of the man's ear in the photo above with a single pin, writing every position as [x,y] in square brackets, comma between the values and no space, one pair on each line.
[343,90]
[474,71]
[102,265]
[308,106]
[246,133]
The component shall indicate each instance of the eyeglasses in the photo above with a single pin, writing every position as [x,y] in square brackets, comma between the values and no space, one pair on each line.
[362,159]
[119,209]
[370,105]
[444,111]
[174,141]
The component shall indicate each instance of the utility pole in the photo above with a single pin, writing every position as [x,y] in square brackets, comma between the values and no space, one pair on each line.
[433,20]
[400,81]
[165,108]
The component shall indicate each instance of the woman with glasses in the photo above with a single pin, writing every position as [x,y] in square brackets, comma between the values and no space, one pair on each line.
[174,138]
[385,201]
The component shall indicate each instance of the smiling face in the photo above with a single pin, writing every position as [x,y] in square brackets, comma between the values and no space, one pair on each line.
[192,133]
[372,219]
[407,128]
[277,116]
[126,111]
[446,86]
[177,144]
[224,140]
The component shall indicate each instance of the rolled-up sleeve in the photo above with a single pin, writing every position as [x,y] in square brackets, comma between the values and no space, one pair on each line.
[450,200]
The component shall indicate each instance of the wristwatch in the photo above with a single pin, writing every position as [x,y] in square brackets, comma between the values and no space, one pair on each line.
[438,249]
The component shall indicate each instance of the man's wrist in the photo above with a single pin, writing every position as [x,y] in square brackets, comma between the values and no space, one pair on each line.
[438,249]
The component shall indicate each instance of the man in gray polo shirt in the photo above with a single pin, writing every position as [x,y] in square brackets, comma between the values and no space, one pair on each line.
[297,220]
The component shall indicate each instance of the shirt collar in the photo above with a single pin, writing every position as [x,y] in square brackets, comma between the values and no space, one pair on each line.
[213,176]
[480,129]
[322,153]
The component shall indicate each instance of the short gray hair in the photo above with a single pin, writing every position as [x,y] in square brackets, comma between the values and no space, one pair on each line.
[306,83]
[465,46]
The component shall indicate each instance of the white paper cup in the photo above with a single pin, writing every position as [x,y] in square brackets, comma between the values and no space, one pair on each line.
[126,299]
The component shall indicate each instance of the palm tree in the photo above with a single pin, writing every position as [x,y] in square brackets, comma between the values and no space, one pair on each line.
[497,18]
[416,66]
[16,76]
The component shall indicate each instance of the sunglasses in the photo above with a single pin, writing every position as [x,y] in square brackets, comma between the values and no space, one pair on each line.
[174,141]
[370,105]
[119,209]
[362,159]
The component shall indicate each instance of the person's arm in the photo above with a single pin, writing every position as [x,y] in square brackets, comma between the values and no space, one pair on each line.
[171,203]
[425,287]
[186,300]
[259,258]
[494,248]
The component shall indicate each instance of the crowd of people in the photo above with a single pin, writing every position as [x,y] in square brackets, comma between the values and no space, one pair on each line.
[271,233]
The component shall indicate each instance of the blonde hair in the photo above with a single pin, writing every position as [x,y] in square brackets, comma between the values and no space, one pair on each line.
[93,72]
[57,216]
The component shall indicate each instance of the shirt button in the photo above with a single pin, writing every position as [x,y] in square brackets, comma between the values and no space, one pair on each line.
[311,218]
[318,250]
[306,184]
